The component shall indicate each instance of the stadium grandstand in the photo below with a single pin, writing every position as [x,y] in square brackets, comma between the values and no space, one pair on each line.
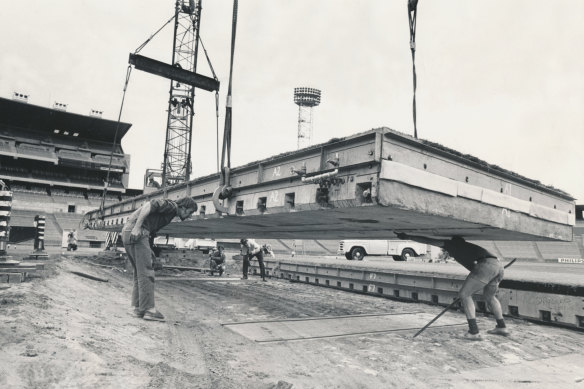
[56,164]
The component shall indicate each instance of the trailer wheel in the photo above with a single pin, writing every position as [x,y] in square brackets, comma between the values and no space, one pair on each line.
[358,253]
[406,253]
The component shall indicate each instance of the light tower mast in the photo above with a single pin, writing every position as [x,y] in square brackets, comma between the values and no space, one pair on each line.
[176,167]
[306,99]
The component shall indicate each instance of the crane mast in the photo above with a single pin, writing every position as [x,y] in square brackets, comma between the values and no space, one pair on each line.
[176,167]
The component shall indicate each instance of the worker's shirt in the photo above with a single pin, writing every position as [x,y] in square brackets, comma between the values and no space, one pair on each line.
[467,253]
[218,257]
[252,247]
[161,213]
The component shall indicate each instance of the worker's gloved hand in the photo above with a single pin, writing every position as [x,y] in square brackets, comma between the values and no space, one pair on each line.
[402,235]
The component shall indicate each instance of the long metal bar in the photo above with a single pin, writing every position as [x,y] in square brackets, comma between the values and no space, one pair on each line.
[162,69]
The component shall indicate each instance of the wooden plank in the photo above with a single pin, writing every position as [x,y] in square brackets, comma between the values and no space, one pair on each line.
[19,269]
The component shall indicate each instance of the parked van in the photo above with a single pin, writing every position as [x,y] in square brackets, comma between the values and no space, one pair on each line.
[400,250]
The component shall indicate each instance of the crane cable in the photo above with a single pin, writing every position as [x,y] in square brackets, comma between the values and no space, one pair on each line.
[128,72]
[412,13]
[224,190]
[226,153]
[106,183]
[216,99]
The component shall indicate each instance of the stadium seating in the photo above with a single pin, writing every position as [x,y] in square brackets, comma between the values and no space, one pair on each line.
[37,151]
[7,146]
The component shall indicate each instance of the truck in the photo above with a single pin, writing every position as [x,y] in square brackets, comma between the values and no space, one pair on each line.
[203,245]
[400,250]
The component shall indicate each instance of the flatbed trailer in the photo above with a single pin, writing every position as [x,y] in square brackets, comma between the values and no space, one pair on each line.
[365,186]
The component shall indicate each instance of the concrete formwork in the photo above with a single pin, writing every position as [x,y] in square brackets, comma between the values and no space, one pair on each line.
[366,186]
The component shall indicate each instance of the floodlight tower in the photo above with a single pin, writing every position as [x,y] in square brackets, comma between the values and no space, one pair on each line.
[306,99]
[177,152]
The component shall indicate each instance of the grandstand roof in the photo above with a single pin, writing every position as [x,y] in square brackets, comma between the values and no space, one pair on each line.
[33,117]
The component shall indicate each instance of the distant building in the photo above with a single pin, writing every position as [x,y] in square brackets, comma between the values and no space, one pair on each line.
[56,163]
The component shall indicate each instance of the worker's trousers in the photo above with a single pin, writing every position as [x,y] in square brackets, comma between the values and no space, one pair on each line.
[260,257]
[141,257]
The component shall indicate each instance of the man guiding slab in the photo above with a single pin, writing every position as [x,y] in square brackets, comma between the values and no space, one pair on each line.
[147,220]
[486,272]
[250,248]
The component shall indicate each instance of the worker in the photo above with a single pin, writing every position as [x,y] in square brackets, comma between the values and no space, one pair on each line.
[217,261]
[486,272]
[250,249]
[146,220]
[72,240]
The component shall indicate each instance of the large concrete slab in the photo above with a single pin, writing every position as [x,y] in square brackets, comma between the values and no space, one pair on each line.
[298,329]
[367,186]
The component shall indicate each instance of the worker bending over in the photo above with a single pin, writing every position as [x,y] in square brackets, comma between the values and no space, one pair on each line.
[486,272]
[147,220]
[249,249]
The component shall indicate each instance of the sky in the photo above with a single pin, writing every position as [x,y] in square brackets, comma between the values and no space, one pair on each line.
[500,80]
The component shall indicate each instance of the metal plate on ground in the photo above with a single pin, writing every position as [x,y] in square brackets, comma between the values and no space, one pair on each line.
[298,329]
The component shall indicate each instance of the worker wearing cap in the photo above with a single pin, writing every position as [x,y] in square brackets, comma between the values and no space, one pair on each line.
[486,272]
[250,248]
[147,220]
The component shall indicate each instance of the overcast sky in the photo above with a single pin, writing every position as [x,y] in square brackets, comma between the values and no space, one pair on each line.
[500,80]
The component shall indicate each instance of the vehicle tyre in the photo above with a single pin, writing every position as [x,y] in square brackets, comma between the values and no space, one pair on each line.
[348,256]
[406,253]
[358,253]
[397,257]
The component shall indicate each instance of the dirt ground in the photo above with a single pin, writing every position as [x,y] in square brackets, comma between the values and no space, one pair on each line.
[60,330]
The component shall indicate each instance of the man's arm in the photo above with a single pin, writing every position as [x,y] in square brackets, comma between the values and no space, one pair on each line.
[137,230]
[421,239]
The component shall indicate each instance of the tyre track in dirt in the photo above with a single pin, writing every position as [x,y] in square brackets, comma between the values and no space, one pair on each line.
[272,298]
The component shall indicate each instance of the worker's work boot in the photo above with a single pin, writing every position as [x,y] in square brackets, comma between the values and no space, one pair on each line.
[503,331]
[263,279]
[154,315]
[138,313]
[476,337]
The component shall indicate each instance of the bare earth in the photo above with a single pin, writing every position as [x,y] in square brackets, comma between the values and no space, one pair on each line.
[61,330]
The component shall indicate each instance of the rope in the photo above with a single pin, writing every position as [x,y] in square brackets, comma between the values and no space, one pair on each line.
[412,13]
[226,154]
[208,60]
[102,206]
[153,35]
